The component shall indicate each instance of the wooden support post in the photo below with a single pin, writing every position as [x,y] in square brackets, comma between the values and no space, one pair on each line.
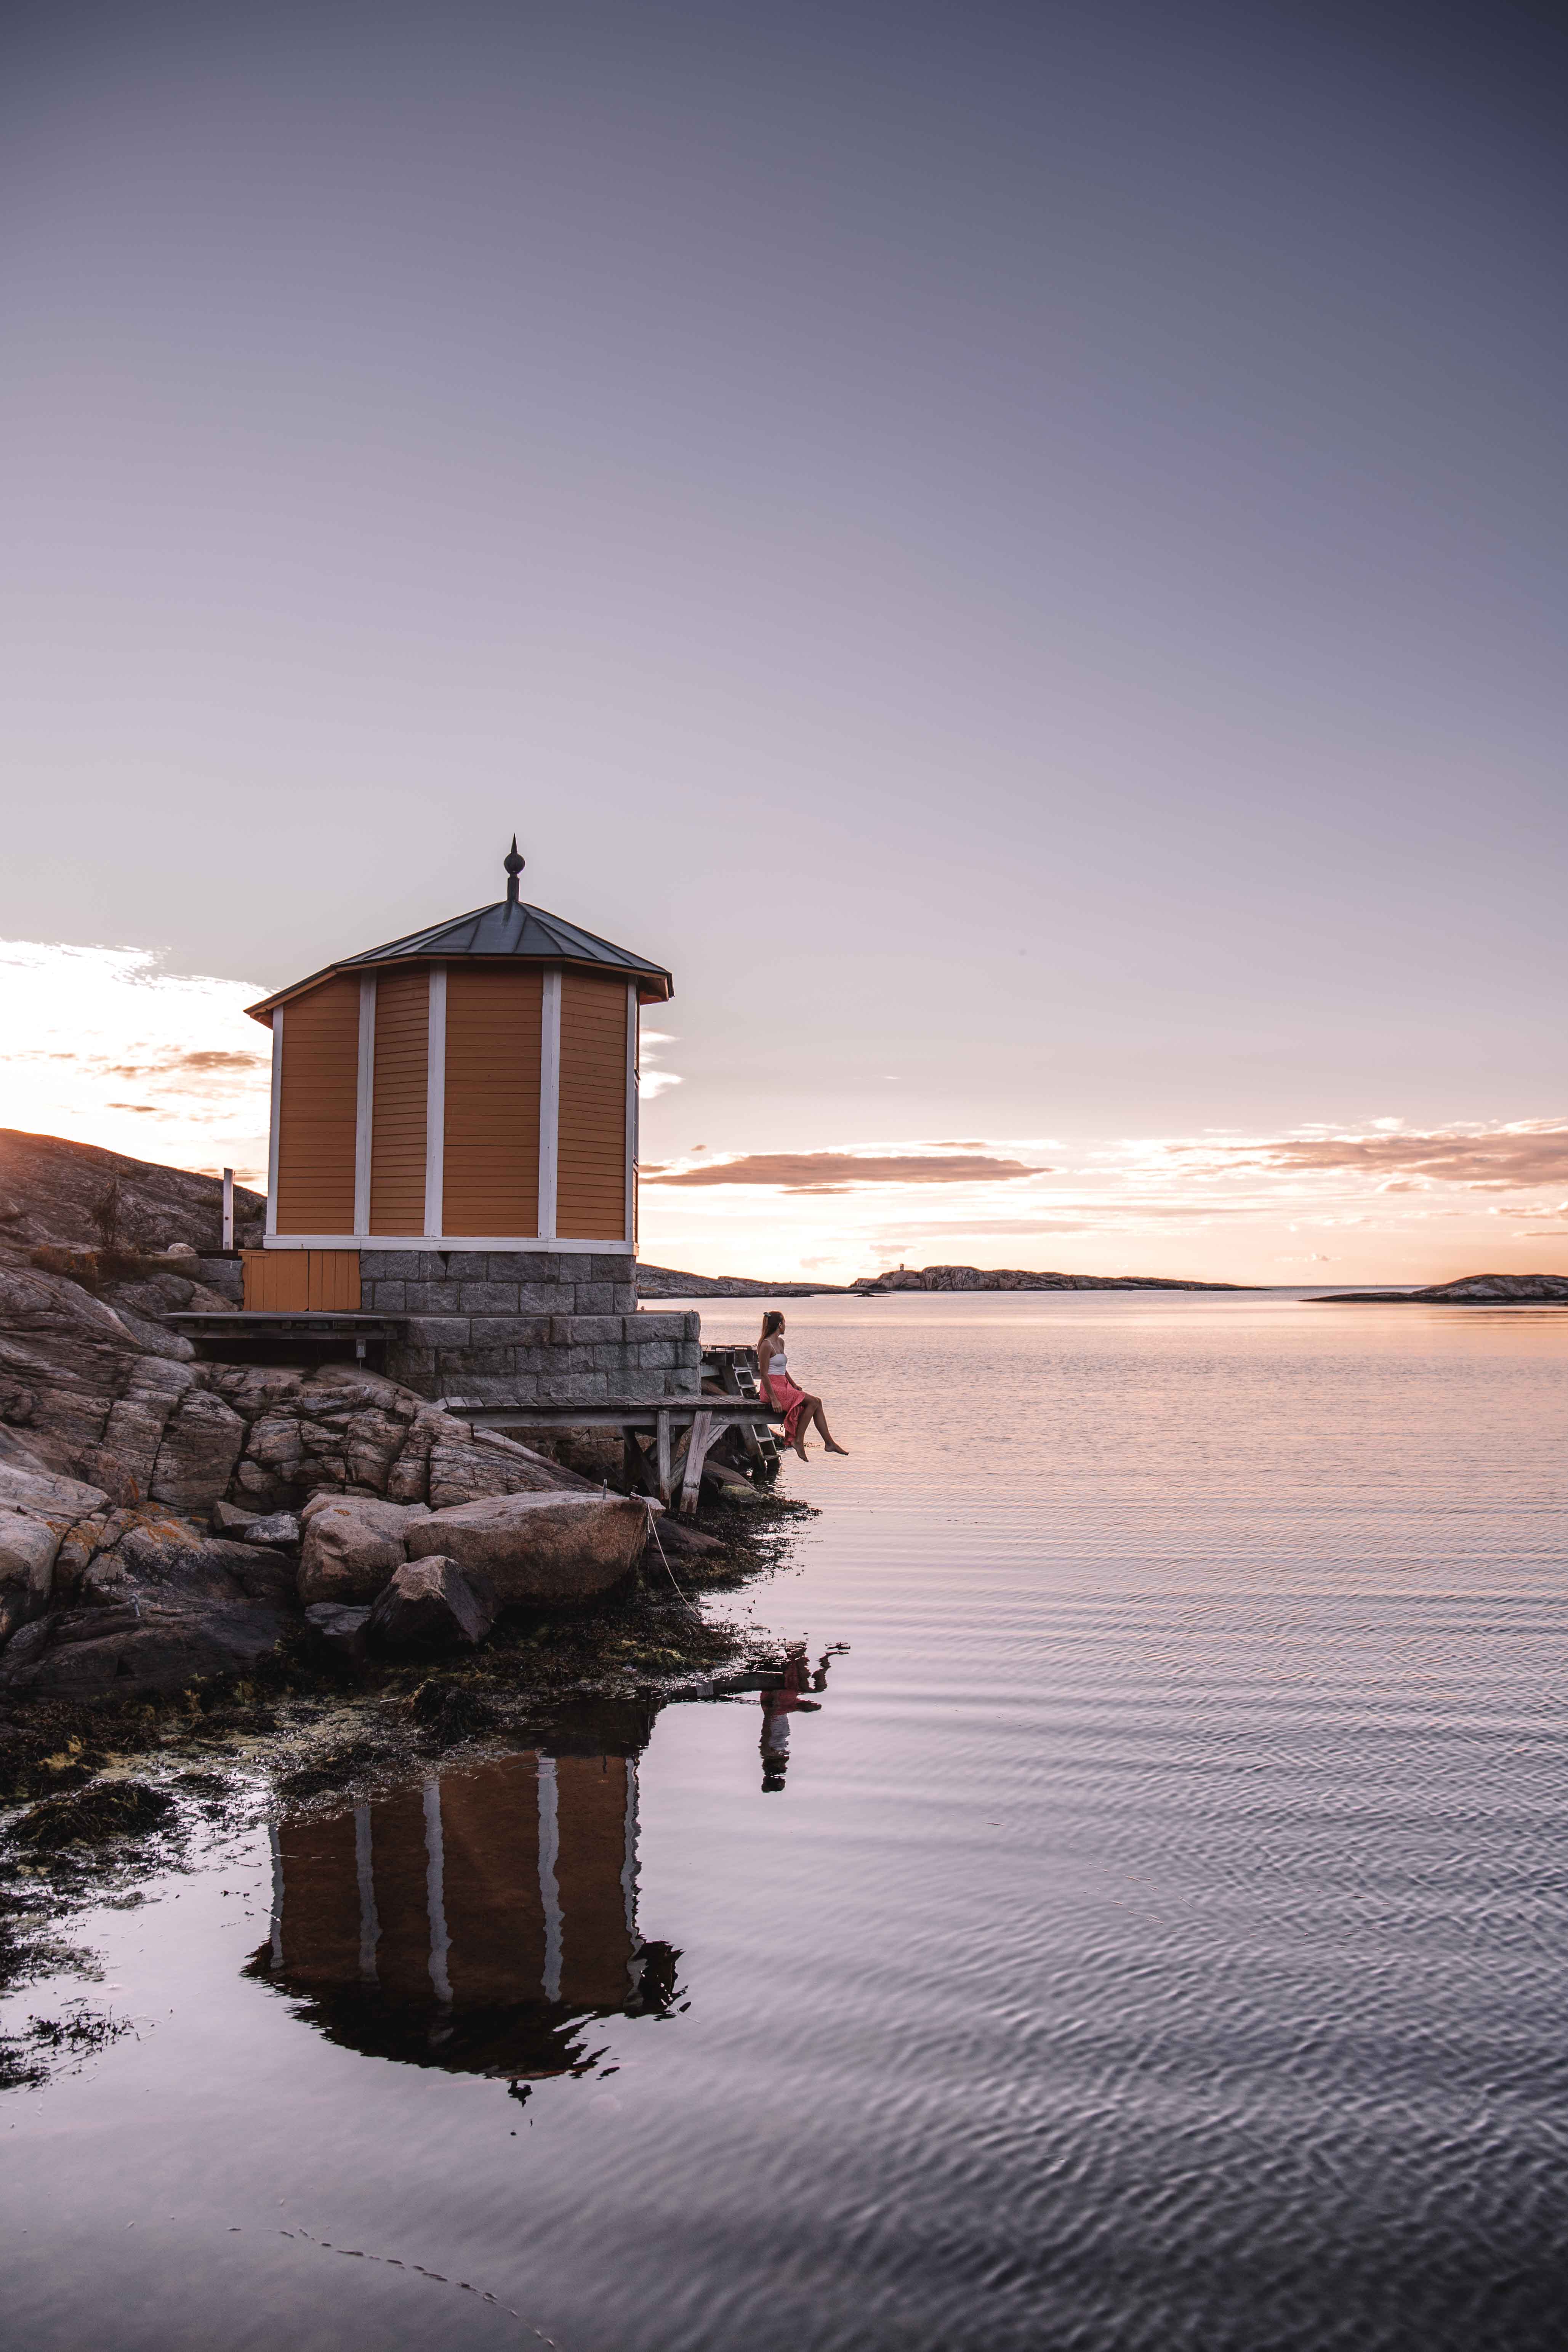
[701,1438]
[661,1457]
[638,1474]
[228,1208]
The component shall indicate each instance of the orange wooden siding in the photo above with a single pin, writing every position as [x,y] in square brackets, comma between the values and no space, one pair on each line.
[596,1949]
[397,1119]
[400,1864]
[591,1163]
[494,1938]
[634,1014]
[490,1897]
[321,1911]
[317,1114]
[490,1183]
[295,1282]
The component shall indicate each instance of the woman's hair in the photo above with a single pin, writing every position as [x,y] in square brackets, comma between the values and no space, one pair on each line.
[772,1321]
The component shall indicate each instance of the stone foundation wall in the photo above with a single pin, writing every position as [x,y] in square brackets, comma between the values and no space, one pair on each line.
[525,1328]
[226,1276]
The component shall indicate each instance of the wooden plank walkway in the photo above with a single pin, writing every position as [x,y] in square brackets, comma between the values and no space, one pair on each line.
[683,1431]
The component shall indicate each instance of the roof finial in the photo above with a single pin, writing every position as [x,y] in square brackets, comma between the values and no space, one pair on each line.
[514,864]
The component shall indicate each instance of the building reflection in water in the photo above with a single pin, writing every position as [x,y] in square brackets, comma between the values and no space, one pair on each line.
[479,1922]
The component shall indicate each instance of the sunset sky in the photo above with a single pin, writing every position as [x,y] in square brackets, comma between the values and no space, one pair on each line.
[1019,551]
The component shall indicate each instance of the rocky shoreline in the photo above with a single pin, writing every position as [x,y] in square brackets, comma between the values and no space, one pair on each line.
[185,1542]
[1469,1290]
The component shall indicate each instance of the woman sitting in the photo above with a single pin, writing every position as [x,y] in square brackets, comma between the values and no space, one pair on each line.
[781,1392]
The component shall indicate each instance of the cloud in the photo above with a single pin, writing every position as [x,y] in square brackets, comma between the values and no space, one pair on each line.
[1507,1159]
[78,1022]
[205,1063]
[839,1172]
[212,1059]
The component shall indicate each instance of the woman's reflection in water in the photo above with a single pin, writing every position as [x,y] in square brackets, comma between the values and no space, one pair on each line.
[778,1705]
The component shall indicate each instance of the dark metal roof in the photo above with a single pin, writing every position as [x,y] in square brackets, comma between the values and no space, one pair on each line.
[509,930]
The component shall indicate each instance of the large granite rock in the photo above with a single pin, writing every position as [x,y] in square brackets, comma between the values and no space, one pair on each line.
[153,1338]
[28,1485]
[340,1630]
[27,1551]
[159,1290]
[280,1531]
[540,1550]
[200,1445]
[112,1395]
[137,1650]
[53,1333]
[50,1187]
[166,1562]
[350,1544]
[80,1387]
[37,1511]
[430,1604]
[347,1431]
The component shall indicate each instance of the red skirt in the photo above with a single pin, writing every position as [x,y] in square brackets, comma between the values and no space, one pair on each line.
[785,1398]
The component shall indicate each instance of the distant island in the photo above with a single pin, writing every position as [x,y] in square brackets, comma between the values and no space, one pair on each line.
[666,1281]
[1011,1277]
[1470,1291]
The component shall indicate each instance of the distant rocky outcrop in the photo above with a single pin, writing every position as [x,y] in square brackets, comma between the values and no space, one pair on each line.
[1469,1290]
[1010,1277]
[664,1282]
[54,1190]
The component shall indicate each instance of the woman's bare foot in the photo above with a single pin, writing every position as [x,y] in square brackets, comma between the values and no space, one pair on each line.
[800,1449]
[830,1448]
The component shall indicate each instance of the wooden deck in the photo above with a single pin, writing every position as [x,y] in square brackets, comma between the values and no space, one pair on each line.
[683,1430]
[312,1323]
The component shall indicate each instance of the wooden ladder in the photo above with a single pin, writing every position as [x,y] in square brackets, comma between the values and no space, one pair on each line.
[735,1370]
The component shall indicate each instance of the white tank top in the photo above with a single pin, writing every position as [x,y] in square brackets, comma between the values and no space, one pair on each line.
[778,1366]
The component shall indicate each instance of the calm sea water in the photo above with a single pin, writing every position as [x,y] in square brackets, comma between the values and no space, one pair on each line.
[1152,1940]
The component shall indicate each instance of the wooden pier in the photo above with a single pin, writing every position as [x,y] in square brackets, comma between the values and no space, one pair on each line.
[681,1432]
[668,1443]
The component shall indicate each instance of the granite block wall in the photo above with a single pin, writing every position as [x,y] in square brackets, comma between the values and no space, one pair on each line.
[524,1327]
[226,1276]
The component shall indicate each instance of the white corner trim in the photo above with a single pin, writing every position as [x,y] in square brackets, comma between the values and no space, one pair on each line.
[631,1110]
[436,1896]
[537,1244]
[435,1102]
[549,1885]
[364,1106]
[549,1096]
[277,1119]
